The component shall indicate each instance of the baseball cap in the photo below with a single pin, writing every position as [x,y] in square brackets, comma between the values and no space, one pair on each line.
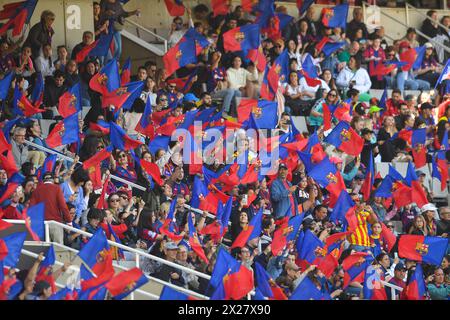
[404,44]
[190,97]
[47,175]
[374,109]
[170,246]
[428,45]
[282,166]
[420,173]
[366,131]
[428,207]
[400,266]
[426,105]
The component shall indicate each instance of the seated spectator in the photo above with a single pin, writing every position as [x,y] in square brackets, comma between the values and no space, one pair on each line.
[353,76]
[443,225]
[168,273]
[34,135]
[241,79]
[411,38]
[44,63]
[52,92]
[437,287]
[72,77]
[429,70]
[19,148]
[24,63]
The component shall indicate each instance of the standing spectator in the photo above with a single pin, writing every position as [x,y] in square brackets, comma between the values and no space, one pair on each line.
[112,11]
[431,29]
[443,225]
[73,189]
[282,194]
[374,55]
[100,28]
[55,206]
[41,33]
[357,23]
[88,38]
[19,148]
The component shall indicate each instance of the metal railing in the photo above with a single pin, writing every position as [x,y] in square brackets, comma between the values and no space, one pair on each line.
[140,28]
[407,5]
[420,33]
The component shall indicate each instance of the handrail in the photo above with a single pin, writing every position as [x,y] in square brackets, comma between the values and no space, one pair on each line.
[393,288]
[34,255]
[425,16]
[137,25]
[406,26]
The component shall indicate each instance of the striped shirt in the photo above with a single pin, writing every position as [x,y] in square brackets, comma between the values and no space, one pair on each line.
[360,236]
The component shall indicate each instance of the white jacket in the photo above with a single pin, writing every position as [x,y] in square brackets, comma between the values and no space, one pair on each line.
[361,77]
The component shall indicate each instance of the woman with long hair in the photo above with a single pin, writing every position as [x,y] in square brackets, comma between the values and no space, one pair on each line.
[418,226]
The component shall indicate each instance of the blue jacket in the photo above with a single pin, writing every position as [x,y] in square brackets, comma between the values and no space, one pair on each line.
[279,196]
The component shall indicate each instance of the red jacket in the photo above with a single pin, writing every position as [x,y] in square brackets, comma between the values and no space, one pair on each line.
[53,198]
[118,229]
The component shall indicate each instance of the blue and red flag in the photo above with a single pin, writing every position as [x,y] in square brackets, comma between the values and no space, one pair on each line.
[117,253]
[34,221]
[125,74]
[440,169]
[152,169]
[37,96]
[120,140]
[45,271]
[70,101]
[95,250]
[266,285]
[335,17]
[98,48]
[258,58]
[445,74]
[418,194]
[420,51]
[125,283]
[303,5]
[326,174]
[249,5]
[144,125]
[280,238]
[249,232]
[373,288]
[206,196]
[168,293]
[66,294]
[230,279]
[328,113]
[107,79]
[265,113]
[279,72]
[13,243]
[346,139]
[242,38]
[123,96]
[175,8]
[5,84]
[182,54]
[415,289]
[194,241]
[310,249]
[329,47]
[8,163]
[168,226]
[96,293]
[307,290]
[65,132]
[11,185]
[19,14]
[369,179]
[419,150]
[355,267]
[92,165]
[266,90]
[219,227]
[422,248]
[22,106]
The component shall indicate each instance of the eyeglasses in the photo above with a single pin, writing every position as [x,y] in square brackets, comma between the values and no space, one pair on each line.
[277,46]
[100,147]
[390,226]
[162,99]
[114,200]
[331,95]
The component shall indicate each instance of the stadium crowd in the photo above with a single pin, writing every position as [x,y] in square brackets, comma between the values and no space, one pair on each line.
[214,88]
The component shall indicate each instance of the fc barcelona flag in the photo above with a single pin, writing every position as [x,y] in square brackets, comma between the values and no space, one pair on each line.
[125,75]
[98,48]
[335,17]
[257,56]
[107,79]
[266,286]
[345,138]
[171,294]
[5,84]
[194,241]
[445,74]
[422,248]
[303,5]
[175,7]
[120,140]
[418,140]
[19,14]
[440,169]
[220,7]
[416,289]
[34,221]
[126,282]
[70,101]
[264,113]
[242,38]
[92,165]
[121,96]
[182,54]
[65,132]
[22,106]
[279,71]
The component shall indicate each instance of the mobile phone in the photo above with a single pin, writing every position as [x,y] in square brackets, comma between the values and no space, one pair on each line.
[245,200]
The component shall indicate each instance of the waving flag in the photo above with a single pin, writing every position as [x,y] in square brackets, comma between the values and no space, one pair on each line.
[8,163]
[11,186]
[206,196]
[45,269]
[168,293]
[440,169]
[5,84]
[65,132]
[125,75]
[235,279]
[220,7]
[373,287]
[280,238]
[422,248]
[152,169]
[418,140]
[95,293]
[416,289]
[264,113]
[92,165]
[107,79]
[126,282]
[168,226]
[369,179]
[249,232]
[383,69]
[335,17]
[345,138]
[328,112]
[279,71]
[175,7]
[307,290]
[22,106]
[123,96]
[182,54]
[418,194]
[409,56]
[310,249]
[266,285]
[98,48]
[303,5]
[144,126]
[266,90]
[70,101]
[19,14]
[65,294]
[4,144]
[14,244]
[445,74]
[355,267]
[120,140]
[331,47]
[34,221]
[95,250]
[194,241]
[242,38]
[326,174]
[420,51]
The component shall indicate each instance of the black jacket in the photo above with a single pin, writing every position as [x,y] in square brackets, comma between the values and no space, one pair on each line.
[37,37]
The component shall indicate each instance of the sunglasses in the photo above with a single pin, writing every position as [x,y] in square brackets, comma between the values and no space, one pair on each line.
[124,197]
[100,147]
[162,99]
[114,200]
[332,95]
[390,226]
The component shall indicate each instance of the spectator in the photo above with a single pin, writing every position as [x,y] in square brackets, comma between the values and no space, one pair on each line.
[429,70]
[44,63]
[41,33]
[281,191]
[375,55]
[443,224]
[61,62]
[34,134]
[88,39]
[411,38]
[353,76]
[398,279]
[357,23]
[241,79]
[19,148]
[53,91]
[438,289]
